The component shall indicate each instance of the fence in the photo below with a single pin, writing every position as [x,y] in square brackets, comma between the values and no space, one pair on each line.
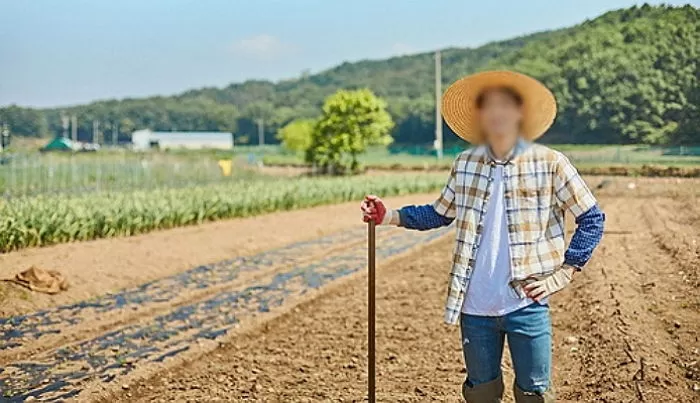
[34,174]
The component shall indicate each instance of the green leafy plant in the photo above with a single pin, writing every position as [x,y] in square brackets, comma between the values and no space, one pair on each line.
[46,220]
[351,121]
[297,135]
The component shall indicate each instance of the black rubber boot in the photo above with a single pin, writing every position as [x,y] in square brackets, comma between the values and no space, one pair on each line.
[489,392]
[527,397]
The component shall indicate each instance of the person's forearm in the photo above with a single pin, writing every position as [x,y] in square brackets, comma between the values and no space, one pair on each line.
[420,217]
[588,233]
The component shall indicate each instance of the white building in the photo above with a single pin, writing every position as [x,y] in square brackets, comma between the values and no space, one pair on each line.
[146,139]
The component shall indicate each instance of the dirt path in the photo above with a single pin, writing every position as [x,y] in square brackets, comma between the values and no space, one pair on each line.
[98,267]
[626,330]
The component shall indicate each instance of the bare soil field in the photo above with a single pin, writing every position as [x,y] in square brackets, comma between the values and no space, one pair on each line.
[284,319]
[107,265]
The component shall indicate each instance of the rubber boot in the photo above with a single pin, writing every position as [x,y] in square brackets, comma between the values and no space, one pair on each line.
[528,397]
[489,392]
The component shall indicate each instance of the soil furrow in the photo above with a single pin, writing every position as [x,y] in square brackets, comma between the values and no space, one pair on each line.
[117,353]
[612,339]
[23,336]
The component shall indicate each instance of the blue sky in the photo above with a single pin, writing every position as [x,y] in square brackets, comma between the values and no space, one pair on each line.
[62,52]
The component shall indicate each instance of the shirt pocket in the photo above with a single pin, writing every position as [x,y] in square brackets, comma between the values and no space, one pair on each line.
[528,192]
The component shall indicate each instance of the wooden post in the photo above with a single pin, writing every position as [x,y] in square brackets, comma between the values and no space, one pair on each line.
[371,314]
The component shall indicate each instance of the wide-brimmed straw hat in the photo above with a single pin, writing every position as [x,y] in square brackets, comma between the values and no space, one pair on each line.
[460,110]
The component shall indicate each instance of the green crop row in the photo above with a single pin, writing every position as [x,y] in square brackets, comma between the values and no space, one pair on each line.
[46,220]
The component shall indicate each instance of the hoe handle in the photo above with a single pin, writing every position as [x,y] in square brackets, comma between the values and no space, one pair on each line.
[370,318]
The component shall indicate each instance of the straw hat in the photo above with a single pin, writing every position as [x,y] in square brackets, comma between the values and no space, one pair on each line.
[460,111]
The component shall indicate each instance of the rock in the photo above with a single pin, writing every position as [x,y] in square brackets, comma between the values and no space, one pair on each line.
[696,388]
[574,349]
[677,324]
[125,386]
[571,340]
[33,399]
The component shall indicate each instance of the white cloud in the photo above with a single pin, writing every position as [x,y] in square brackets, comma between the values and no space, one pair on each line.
[262,46]
[400,49]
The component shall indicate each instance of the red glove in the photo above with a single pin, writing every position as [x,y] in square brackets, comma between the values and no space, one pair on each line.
[373,209]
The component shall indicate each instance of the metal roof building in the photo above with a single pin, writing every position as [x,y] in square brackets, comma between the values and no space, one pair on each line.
[147,139]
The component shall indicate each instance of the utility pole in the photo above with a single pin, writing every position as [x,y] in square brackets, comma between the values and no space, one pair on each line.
[115,133]
[261,132]
[64,121]
[95,131]
[438,105]
[4,136]
[74,128]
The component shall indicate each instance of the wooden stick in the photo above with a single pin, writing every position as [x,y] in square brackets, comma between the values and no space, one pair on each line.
[371,394]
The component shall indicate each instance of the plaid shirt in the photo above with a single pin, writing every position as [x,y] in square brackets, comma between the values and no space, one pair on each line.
[540,186]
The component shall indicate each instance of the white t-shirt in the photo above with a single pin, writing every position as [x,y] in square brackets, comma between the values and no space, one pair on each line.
[489,292]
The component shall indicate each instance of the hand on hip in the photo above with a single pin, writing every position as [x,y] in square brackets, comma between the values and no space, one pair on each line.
[549,285]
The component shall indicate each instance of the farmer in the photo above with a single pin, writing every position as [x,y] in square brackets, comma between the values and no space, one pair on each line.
[507,198]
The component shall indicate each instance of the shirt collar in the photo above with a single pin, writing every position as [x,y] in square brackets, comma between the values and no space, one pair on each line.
[519,148]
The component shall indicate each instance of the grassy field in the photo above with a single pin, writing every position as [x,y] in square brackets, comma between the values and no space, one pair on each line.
[584,156]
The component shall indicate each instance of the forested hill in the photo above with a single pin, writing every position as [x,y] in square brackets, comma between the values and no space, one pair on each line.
[628,76]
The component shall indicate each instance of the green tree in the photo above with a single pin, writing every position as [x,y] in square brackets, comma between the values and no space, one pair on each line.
[24,121]
[351,121]
[126,127]
[297,135]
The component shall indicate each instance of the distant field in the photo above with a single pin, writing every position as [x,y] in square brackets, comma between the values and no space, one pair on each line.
[584,156]
[31,174]
[56,173]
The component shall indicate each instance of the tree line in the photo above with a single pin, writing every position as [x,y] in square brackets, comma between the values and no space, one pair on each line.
[628,76]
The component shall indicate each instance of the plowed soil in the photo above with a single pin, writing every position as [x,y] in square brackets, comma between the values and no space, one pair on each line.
[106,265]
[627,329]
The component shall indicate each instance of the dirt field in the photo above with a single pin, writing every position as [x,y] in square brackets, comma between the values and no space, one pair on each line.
[290,324]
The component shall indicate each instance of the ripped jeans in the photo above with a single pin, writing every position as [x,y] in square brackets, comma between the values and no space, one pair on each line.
[529,336]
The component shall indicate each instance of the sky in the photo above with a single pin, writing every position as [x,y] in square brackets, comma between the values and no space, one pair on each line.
[65,52]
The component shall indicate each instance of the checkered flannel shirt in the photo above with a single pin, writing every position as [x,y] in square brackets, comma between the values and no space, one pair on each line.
[540,186]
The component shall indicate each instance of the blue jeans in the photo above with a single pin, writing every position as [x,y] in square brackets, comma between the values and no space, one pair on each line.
[529,339]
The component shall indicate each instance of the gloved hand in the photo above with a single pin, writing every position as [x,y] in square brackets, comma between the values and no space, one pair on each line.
[538,290]
[373,208]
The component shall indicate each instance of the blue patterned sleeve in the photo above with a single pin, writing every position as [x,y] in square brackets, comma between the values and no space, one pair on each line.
[422,218]
[588,233]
